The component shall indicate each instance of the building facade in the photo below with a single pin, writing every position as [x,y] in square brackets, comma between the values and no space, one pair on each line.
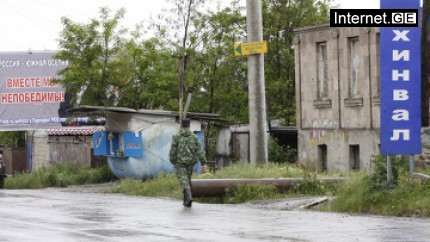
[337,96]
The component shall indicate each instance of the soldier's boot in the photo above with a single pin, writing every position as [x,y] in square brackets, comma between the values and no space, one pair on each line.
[188,200]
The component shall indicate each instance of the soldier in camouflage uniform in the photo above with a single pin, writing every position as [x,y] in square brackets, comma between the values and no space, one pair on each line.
[184,152]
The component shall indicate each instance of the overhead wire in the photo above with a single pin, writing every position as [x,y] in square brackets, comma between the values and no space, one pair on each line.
[31,18]
[22,11]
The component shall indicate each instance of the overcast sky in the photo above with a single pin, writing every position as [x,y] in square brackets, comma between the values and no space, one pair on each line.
[35,24]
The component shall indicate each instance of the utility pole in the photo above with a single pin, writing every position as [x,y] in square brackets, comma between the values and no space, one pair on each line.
[256,88]
[181,69]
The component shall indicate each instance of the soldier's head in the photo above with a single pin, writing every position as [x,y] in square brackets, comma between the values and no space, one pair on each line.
[185,124]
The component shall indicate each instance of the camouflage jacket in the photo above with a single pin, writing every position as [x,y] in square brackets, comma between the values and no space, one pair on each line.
[186,149]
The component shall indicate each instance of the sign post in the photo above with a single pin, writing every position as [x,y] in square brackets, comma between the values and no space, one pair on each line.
[250,48]
[400,84]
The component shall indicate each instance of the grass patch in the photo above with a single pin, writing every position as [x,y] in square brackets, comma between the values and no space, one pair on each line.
[250,192]
[269,170]
[311,186]
[59,176]
[164,185]
[370,194]
[410,198]
[167,185]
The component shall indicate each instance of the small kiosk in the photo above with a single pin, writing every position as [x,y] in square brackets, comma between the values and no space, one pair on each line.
[137,142]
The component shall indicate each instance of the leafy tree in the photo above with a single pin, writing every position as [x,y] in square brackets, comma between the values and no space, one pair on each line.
[178,26]
[12,139]
[90,50]
[218,74]
[180,30]
[280,18]
[107,68]
[151,76]
[203,40]
[222,76]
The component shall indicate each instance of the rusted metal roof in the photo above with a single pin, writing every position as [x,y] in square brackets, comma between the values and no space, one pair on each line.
[82,130]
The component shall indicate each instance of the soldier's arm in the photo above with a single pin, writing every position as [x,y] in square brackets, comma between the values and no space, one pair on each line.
[173,151]
[201,153]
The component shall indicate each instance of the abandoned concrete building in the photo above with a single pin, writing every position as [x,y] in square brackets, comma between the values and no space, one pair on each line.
[337,96]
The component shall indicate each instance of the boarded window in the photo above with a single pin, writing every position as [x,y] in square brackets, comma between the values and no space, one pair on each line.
[322,69]
[354,63]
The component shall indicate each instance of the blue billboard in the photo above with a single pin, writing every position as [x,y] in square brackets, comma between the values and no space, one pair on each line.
[400,83]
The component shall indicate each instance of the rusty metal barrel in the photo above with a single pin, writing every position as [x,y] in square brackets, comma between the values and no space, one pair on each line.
[217,187]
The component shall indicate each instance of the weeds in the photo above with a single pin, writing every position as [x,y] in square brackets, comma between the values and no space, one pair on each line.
[249,192]
[279,153]
[164,185]
[59,176]
[244,170]
[312,186]
[168,186]
[369,193]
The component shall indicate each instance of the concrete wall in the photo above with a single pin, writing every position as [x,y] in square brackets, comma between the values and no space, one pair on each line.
[344,119]
[240,144]
[40,150]
[223,146]
[338,144]
[232,144]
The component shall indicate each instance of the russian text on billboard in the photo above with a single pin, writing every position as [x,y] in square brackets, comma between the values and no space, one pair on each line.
[29,97]
[400,85]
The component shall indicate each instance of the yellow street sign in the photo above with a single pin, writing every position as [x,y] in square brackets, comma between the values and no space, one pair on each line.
[250,48]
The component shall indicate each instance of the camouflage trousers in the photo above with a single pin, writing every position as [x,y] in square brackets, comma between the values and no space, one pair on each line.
[184,174]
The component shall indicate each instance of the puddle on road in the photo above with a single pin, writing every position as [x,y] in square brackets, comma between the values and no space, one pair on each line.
[268,237]
[93,215]
[124,233]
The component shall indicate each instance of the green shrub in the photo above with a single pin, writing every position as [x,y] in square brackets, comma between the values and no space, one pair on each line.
[378,179]
[279,153]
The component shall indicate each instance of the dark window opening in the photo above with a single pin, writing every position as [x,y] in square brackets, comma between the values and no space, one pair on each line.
[322,158]
[354,157]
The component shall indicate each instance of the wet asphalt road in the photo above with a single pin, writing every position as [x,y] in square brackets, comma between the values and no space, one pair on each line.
[71,214]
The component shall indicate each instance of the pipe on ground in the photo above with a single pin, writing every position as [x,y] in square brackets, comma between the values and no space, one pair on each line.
[217,187]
